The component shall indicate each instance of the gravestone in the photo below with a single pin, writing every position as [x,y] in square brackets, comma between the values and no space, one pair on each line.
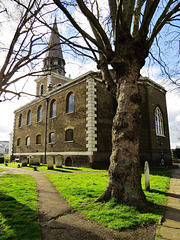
[50,163]
[34,161]
[58,161]
[24,162]
[147,179]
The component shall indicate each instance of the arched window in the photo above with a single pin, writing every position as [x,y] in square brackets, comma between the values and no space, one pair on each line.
[159,122]
[38,139]
[52,137]
[27,141]
[53,108]
[69,135]
[20,121]
[41,89]
[18,142]
[29,117]
[70,103]
[39,114]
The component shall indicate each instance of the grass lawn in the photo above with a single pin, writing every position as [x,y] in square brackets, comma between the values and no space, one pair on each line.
[64,169]
[18,208]
[82,189]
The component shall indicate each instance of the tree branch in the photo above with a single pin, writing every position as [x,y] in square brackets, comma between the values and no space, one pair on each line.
[81,31]
[97,27]
[163,19]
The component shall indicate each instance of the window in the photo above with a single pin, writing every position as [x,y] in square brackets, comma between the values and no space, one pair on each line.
[159,122]
[55,62]
[39,114]
[27,141]
[38,139]
[52,137]
[20,121]
[29,117]
[53,108]
[41,89]
[70,103]
[69,135]
[18,142]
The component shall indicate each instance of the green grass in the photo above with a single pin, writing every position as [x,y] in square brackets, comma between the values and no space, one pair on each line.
[64,169]
[82,189]
[18,208]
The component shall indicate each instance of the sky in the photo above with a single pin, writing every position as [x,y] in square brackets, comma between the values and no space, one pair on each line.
[75,68]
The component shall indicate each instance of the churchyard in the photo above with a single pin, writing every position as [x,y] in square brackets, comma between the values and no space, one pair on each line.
[81,187]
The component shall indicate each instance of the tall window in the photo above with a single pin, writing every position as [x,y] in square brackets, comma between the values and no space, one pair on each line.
[18,142]
[70,103]
[29,117]
[53,108]
[41,89]
[38,139]
[27,141]
[20,121]
[39,114]
[69,135]
[159,122]
[52,137]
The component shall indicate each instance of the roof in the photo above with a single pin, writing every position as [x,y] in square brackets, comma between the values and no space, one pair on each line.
[55,50]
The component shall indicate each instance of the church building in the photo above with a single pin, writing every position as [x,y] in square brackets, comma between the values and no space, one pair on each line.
[72,118]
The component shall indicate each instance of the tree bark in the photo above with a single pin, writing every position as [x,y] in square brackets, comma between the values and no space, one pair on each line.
[124,171]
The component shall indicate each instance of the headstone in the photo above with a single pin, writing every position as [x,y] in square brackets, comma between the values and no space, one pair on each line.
[34,161]
[24,162]
[50,163]
[58,161]
[146,173]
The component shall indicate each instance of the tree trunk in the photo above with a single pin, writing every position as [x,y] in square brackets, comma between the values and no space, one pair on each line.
[124,171]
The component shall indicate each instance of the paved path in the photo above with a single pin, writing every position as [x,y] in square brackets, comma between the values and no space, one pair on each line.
[170,229]
[59,222]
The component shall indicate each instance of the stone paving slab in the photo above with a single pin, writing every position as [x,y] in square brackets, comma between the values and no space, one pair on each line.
[169,233]
[170,229]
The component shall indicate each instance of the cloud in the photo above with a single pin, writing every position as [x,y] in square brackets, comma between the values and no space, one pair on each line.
[177,119]
[75,68]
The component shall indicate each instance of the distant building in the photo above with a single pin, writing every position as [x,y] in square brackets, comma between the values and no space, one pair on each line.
[73,118]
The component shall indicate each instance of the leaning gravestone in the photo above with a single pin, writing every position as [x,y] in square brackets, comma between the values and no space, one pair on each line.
[146,173]
[58,161]
[50,163]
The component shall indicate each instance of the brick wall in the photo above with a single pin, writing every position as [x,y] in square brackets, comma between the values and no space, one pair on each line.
[91,145]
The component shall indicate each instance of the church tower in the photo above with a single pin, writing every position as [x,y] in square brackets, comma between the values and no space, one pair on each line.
[54,60]
[53,66]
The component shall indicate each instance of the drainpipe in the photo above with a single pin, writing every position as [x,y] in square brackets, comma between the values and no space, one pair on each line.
[45,148]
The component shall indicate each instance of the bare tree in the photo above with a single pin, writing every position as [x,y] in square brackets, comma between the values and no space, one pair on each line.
[121,38]
[27,47]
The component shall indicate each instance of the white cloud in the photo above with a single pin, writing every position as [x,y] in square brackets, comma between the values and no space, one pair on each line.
[75,68]
[177,119]
[150,72]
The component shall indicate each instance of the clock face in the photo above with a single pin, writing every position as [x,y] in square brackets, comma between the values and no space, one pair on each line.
[59,71]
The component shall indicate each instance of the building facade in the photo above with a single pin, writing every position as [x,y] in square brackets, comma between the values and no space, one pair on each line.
[73,118]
